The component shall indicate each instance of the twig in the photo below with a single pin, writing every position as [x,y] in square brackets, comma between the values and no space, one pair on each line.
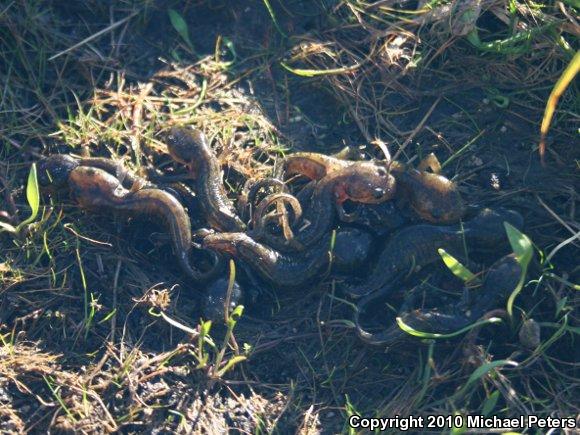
[555,216]
[94,36]
[417,129]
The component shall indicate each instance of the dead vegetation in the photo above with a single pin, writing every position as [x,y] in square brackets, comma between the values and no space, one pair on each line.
[84,347]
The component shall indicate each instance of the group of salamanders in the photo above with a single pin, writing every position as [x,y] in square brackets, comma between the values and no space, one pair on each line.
[321,216]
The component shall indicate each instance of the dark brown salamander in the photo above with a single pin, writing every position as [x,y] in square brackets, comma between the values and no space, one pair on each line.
[432,196]
[381,219]
[190,148]
[134,182]
[278,269]
[364,183]
[500,281]
[128,179]
[97,190]
[247,201]
[416,246]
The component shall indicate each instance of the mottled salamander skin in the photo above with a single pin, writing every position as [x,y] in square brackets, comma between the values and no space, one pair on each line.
[382,219]
[352,247]
[190,147]
[361,183]
[278,269]
[53,172]
[499,282]
[417,245]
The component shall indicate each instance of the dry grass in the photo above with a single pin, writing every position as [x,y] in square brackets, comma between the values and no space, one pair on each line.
[82,348]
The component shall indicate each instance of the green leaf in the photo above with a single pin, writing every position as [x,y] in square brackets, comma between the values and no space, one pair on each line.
[422,334]
[458,269]
[206,327]
[32,194]
[524,251]
[233,318]
[232,362]
[318,72]
[180,26]
[490,403]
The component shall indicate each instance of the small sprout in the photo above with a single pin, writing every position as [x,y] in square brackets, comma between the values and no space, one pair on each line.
[33,198]
[524,251]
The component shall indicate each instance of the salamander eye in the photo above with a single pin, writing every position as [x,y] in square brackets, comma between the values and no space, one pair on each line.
[378,193]
[382,172]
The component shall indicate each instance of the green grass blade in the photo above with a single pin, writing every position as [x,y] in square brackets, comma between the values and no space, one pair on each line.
[231,282]
[489,403]
[565,79]
[231,363]
[274,19]
[483,370]
[522,247]
[433,335]
[318,72]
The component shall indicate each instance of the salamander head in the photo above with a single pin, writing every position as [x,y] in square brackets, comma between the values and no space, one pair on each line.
[187,146]
[53,172]
[93,187]
[434,197]
[367,183]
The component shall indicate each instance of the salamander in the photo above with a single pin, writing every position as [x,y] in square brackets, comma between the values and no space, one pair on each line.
[352,247]
[96,189]
[416,246]
[500,280]
[431,196]
[364,183]
[190,147]
[278,269]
